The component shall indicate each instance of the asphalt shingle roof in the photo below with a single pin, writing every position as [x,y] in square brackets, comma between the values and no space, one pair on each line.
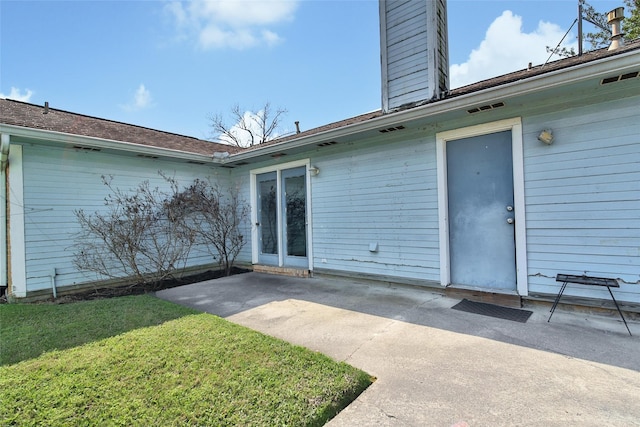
[545,68]
[39,117]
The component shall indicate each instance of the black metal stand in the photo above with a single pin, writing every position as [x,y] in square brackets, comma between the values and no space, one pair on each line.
[587,280]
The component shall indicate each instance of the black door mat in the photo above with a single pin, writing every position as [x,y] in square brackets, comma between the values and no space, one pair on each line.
[493,310]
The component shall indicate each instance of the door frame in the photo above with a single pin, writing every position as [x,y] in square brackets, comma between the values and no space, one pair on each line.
[255,238]
[515,126]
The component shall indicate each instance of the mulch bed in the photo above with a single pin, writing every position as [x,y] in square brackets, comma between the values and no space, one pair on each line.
[136,289]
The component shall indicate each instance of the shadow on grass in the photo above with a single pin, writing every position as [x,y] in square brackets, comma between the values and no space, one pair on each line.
[29,330]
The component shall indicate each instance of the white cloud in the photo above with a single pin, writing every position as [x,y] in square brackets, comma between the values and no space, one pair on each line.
[270,37]
[507,48]
[237,24]
[141,100]
[215,37]
[176,10]
[17,94]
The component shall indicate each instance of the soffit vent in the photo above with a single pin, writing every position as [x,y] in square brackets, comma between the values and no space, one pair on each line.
[227,166]
[486,107]
[195,163]
[242,163]
[81,148]
[147,156]
[620,78]
[391,129]
[327,144]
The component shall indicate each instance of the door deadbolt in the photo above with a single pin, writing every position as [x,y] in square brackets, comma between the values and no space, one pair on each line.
[510,221]
[509,208]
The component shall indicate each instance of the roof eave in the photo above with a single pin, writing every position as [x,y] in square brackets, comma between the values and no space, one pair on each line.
[103,144]
[580,72]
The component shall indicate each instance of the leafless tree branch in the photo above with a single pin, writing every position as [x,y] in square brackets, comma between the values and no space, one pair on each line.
[248,128]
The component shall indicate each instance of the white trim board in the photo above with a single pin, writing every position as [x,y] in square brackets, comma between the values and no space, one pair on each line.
[15,197]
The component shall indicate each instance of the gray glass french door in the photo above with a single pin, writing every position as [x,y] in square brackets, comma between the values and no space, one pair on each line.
[268,233]
[282,217]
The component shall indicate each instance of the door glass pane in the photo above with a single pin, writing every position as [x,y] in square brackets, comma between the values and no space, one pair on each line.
[267,188]
[296,212]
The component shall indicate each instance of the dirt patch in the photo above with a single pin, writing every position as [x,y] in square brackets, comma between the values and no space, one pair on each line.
[137,288]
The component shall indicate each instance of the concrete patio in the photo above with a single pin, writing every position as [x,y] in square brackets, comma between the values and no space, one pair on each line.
[441,367]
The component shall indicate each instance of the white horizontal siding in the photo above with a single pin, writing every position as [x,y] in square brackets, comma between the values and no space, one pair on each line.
[412,28]
[382,193]
[410,94]
[411,97]
[583,198]
[400,11]
[409,68]
[59,181]
[412,49]
[409,81]
[406,45]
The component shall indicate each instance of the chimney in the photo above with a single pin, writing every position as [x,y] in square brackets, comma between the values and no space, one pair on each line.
[414,52]
[614,18]
[46,107]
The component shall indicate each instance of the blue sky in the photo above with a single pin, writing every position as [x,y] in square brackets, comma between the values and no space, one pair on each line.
[172,65]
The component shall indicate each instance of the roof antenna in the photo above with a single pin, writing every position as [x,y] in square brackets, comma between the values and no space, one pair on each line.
[46,107]
[560,42]
[297,126]
[579,27]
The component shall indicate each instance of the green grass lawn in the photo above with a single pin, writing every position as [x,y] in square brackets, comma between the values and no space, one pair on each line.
[143,361]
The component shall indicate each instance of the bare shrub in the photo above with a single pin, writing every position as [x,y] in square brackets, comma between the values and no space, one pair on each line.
[215,216]
[140,234]
[148,233]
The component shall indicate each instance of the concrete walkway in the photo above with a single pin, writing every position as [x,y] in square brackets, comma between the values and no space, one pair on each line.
[441,367]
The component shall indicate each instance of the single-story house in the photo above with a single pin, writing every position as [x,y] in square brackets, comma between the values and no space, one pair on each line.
[494,187]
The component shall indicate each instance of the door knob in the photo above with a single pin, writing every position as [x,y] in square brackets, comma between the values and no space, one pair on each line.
[510,220]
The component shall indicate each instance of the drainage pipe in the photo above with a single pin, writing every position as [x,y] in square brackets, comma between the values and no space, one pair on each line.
[4,160]
[53,283]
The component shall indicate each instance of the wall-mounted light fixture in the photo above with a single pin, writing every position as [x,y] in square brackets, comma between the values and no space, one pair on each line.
[546,137]
[314,171]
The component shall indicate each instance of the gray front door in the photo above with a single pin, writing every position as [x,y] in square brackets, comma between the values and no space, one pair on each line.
[480,211]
